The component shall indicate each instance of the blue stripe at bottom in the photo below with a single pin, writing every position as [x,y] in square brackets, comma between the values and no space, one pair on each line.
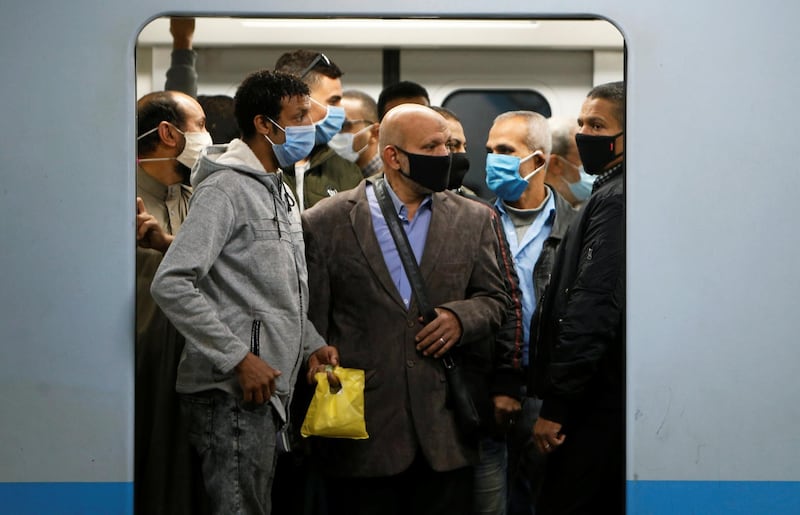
[713,497]
[66,498]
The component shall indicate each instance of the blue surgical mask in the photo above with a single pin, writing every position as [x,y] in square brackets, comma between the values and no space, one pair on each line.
[502,175]
[330,125]
[581,189]
[298,145]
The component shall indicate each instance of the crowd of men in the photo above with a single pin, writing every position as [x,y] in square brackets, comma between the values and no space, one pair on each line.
[268,256]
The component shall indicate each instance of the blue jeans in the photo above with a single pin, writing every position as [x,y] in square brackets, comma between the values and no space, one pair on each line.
[236,443]
[490,477]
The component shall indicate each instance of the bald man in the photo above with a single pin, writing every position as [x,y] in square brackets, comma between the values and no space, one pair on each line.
[416,459]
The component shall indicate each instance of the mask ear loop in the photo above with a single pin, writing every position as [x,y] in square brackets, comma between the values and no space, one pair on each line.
[543,167]
[151,131]
[321,105]
[365,144]
[276,125]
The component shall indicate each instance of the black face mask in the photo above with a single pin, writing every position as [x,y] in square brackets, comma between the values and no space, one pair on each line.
[596,151]
[431,172]
[458,170]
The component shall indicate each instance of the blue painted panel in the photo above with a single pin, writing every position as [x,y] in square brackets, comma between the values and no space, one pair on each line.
[713,497]
[66,498]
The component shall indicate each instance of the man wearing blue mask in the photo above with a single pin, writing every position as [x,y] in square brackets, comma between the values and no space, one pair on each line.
[535,218]
[579,333]
[234,283]
[323,173]
[565,172]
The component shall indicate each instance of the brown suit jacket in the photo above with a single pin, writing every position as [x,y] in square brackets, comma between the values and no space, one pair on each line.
[356,307]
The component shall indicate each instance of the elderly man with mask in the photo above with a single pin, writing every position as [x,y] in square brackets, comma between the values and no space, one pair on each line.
[323,173]
[416,459]
[535,219]
[565,172]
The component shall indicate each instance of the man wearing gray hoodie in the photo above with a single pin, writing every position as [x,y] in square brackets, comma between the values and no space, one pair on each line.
[234,283]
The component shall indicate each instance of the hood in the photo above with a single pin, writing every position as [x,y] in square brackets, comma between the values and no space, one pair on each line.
[236,155]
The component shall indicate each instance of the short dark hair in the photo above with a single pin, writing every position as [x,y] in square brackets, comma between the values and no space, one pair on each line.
[614,92]
[402,89]
[308,65]
[447,113]
[151,110]
[368,106]
[220,120]
[260,93]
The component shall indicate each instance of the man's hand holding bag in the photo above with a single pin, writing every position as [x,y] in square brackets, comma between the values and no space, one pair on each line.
[337,412]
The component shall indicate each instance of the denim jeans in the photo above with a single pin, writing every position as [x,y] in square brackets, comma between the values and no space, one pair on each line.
[236,443]
[490,477]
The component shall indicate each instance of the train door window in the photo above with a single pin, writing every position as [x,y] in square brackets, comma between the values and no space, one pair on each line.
[477,109]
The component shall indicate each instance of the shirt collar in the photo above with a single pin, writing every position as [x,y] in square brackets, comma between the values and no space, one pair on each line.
[399,207]
[155,188]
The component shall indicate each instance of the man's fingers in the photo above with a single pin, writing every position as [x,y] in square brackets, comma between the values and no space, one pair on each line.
[258,396]
[143,229]
[445,348]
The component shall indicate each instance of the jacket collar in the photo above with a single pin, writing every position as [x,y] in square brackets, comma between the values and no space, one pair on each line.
[318,155]
[564,215]
[361,219]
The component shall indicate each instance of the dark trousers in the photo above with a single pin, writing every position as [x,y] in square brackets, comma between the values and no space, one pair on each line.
[586,475]
[418,490]
[525,463]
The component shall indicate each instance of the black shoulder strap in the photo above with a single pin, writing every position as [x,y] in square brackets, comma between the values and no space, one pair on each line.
[404,249]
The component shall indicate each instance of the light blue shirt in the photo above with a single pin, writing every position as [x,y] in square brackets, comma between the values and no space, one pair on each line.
[526,253]
[416,230]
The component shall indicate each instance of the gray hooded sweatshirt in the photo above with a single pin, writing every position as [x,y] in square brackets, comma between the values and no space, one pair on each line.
[234,279]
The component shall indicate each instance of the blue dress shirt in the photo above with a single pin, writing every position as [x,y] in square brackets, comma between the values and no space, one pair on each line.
[416,230]
[526,254]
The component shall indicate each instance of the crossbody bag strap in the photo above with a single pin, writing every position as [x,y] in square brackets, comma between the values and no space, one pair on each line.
[404,249]
[408,259]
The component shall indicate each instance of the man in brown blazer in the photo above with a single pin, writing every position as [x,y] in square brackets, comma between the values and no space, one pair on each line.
[415,460]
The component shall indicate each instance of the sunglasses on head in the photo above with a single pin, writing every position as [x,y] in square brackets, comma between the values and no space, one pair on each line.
[321,58]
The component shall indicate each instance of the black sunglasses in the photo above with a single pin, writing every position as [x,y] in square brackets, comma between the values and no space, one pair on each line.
[320,58]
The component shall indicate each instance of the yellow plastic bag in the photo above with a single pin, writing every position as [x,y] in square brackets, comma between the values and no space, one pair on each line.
[337,414]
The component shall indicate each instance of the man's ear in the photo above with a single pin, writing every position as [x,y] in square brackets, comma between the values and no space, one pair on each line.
[263,125]
[554,165]
[389,155]
[374,131]
[168,135]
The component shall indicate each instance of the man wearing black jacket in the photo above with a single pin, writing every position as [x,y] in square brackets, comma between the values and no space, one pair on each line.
[578,368]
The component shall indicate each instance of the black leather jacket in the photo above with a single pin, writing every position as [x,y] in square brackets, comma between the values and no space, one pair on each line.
[577,332]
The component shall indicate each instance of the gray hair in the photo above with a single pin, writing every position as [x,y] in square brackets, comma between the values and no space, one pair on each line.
[537,136]
[369,109]
[562,132]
